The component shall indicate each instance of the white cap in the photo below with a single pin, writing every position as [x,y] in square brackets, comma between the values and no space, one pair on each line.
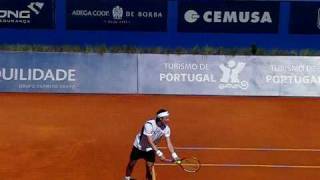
[163,114]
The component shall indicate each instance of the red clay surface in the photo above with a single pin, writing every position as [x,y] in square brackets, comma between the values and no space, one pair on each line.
[89,137]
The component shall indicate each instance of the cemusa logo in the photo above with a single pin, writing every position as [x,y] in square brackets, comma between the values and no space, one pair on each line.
[230,75]
[192,16]
[12,15]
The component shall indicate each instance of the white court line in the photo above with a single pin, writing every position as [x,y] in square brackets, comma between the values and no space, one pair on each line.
[248,165]
[244,149]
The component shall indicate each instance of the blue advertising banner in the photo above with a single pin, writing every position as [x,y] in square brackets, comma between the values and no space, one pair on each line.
[228,16]
[160,74]
[304,18]
[126,15]
[229,75]
[68,73]
[27,14]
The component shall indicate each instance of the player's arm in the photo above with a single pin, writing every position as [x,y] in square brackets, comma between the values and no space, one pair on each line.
[156,149]
[169,144]
[171,149]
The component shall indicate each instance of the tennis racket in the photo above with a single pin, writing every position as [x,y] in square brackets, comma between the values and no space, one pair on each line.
[191,164]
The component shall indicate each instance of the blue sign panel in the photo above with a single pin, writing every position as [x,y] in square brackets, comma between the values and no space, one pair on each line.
[228,17]
[127,15]
[29,14]
[305,18]
[229,75]
[68,73]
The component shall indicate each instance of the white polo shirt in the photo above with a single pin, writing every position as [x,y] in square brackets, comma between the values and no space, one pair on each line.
[150,128]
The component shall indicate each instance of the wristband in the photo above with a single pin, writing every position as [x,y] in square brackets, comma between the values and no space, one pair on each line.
[174,155]
[159,153]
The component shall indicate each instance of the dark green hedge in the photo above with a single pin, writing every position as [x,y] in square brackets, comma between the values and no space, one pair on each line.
[204,50]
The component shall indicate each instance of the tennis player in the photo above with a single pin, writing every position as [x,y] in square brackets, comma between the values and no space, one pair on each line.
[145,144]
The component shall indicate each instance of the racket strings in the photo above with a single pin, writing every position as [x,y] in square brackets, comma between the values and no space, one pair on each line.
[190,164]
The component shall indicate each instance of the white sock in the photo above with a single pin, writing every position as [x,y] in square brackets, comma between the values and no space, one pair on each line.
[127,178]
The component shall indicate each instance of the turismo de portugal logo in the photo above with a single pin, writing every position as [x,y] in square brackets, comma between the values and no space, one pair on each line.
[230,75]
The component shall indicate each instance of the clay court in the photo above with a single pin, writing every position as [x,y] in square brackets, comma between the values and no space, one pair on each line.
[89,137]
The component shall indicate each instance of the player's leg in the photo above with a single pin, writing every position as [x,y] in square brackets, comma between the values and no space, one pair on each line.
[129,168]
[134,156]
[149,166]
[150,158]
